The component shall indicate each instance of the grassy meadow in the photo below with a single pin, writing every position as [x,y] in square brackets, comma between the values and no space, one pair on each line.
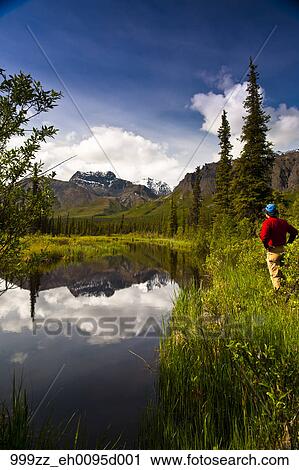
[78,248]
[229,369]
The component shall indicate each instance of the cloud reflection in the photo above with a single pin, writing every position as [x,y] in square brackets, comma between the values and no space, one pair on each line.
[136,302]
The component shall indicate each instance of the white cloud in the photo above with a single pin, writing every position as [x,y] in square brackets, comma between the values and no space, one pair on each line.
[71,136]
[132,155]
[284,124]
[210,105]
[221,80]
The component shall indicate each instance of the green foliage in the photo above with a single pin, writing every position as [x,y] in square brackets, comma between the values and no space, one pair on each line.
[173,218]
[196,199]
[251,185]
[290,271]
[98,208]
[224,167]
[22,203]
[229,367]
[293,211]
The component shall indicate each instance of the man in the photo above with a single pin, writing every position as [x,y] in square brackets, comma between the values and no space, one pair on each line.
[273,236]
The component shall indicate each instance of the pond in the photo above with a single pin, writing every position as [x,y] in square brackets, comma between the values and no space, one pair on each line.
[84,337]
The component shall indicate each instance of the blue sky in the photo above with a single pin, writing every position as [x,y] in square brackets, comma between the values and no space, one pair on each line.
[135,67]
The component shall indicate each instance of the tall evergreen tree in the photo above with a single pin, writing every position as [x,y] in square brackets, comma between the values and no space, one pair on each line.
[173,218]
[183,217]
[196,201]
[122,223]
[224,166]
[251,186]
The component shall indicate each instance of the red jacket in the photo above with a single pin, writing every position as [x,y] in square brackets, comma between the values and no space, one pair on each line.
[274,232]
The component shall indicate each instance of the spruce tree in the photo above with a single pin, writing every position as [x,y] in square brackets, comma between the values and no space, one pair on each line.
[196,201]
[251,186]
[121,227]
[173,218]
[35,190]
[183,217]
[224,166]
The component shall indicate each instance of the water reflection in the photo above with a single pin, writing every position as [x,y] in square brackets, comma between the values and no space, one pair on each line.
[102,379]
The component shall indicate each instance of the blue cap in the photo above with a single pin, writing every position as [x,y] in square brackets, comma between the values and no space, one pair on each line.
[271,209]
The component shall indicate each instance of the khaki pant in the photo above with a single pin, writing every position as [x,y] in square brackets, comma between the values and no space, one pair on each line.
[274,257]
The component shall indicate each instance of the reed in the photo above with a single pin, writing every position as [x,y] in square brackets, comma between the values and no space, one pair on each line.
[19,431]
[229,367]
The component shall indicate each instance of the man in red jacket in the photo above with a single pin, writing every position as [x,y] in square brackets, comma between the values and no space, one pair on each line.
[274,237]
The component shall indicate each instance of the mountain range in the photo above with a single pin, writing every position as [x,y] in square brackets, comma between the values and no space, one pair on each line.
[94,193]
[98,193]
[285,175]
[107,184]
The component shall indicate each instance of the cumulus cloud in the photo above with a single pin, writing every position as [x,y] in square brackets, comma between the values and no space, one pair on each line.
[133,156]
[284,124]
[211,104]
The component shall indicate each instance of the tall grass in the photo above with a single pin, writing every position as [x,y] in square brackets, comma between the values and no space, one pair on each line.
[48,249]
[52,249]
[18,431]
[229,368]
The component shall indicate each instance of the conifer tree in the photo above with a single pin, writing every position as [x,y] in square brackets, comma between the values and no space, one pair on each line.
[173,218]
[183,217]
[224,166]
[196,201]
[251,186]
[122,223]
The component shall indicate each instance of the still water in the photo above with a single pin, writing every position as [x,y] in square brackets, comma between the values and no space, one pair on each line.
[84,338]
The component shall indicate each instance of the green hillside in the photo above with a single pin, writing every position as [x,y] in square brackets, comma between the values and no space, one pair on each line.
[98,208]
[159,208]
[107,208]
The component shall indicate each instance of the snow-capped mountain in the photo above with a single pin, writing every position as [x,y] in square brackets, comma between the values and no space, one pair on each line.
[95,179]
[104,192]
[108,181]
[160,188]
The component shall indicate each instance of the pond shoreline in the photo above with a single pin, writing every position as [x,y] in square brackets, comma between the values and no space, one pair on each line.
[116,278]
[49,249]
[218,385]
